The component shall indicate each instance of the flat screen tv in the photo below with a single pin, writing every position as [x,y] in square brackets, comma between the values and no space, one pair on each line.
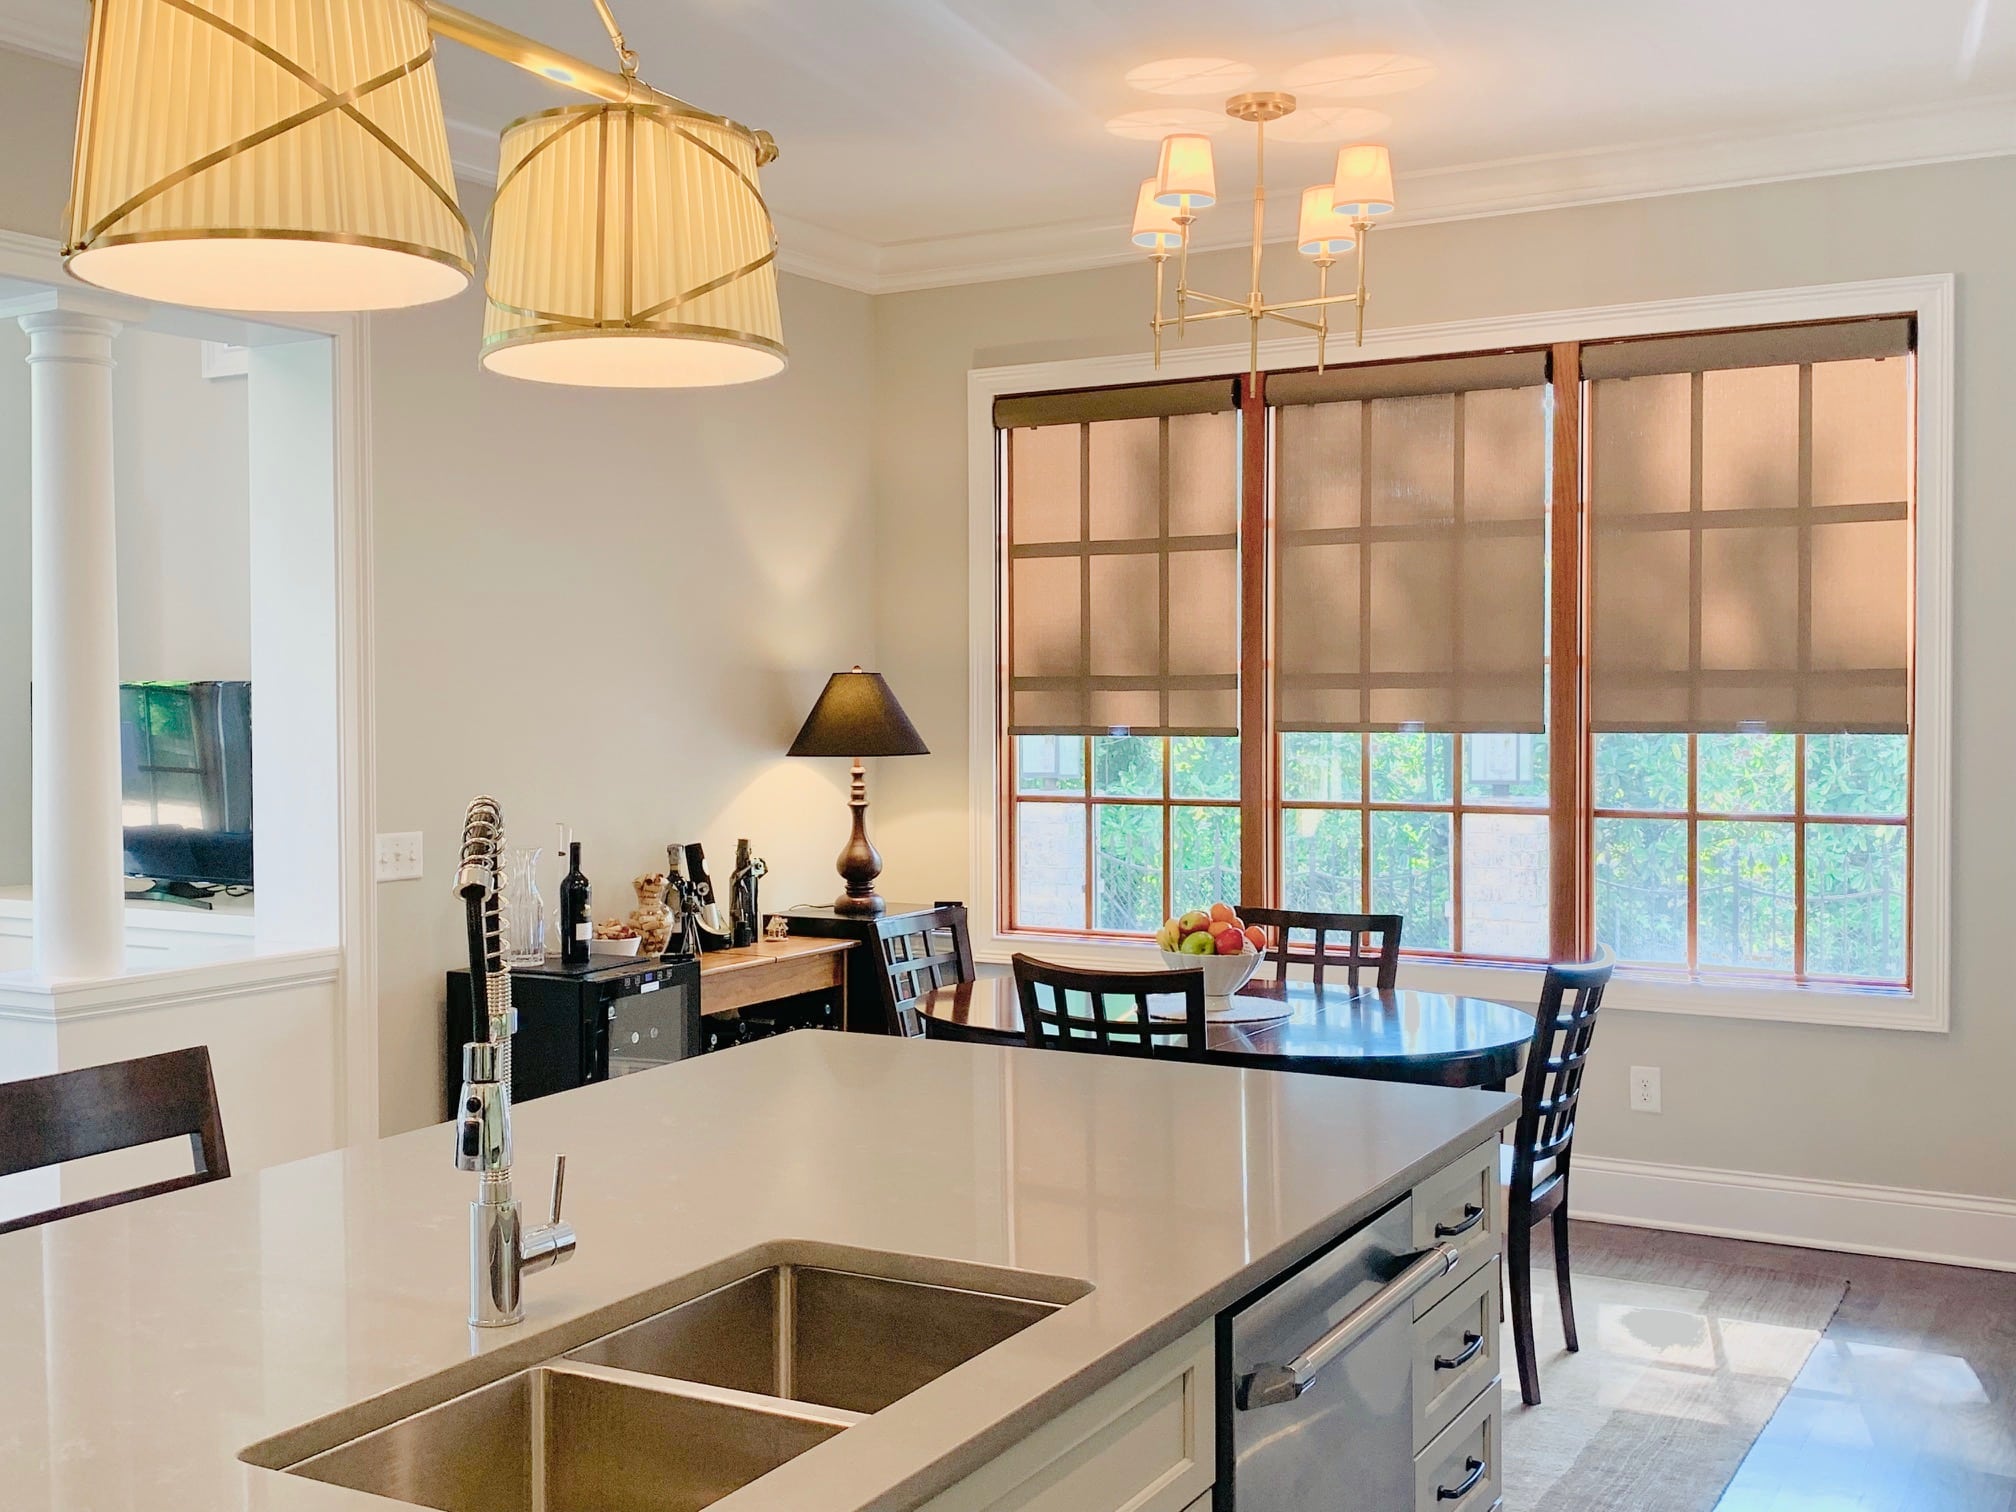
[186,757]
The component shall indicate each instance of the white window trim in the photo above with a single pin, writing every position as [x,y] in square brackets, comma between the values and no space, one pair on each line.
[1929,297]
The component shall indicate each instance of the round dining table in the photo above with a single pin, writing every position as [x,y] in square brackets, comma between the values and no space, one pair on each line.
[1394,1034]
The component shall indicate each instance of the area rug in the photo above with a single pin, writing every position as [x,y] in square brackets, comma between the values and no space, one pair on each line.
[1681,1366]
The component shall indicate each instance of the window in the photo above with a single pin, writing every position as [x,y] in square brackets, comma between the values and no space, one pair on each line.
[1605,642]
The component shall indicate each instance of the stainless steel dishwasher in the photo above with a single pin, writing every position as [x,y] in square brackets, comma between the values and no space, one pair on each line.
[1315,1392]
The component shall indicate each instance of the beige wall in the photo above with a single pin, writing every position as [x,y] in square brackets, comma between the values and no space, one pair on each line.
[1910,1110]
[608,609]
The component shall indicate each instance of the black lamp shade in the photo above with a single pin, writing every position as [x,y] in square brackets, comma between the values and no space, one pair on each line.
[857,715]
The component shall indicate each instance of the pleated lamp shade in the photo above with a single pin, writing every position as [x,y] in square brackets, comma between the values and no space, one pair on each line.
[265,155]
[630,248]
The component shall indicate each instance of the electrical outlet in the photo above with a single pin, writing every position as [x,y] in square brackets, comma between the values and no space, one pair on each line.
[1644,1089]
[399,856]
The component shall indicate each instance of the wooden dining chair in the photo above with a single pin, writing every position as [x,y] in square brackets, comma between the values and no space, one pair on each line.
[1067,1009]
[47,1120]
[921,951]
[1534,1167]
[1350,931]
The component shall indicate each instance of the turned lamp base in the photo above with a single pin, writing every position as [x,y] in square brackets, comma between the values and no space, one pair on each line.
[860,863]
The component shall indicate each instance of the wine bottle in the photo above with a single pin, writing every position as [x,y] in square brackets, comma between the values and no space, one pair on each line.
[714,926]
[577,928]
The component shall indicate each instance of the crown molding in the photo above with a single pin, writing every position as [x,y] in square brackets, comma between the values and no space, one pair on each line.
[1951,131]
[1942,132]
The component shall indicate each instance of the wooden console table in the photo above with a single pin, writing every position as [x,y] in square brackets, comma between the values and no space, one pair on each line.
[773,969]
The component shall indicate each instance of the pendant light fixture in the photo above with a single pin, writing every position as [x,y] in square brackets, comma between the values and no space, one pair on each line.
[630,247]
[265,155]
[290,155]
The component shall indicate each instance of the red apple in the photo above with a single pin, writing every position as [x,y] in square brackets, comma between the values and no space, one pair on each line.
[1193,921]
[1231,941]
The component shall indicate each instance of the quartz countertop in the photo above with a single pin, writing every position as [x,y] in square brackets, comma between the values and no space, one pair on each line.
[144,1348]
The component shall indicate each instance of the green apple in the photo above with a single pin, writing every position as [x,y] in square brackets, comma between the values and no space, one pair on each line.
[1197,943]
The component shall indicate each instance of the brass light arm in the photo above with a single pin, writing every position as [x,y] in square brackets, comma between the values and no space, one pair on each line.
[1219,300]
[454,24]
[1235,312]
[1271,313]
[1311,304]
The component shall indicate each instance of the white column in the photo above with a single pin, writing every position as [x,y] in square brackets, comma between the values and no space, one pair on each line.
[79,849]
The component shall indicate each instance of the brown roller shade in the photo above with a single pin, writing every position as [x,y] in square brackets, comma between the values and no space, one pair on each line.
[1410,529]
[1123,566]
[1750,531]
[1396,380]
[1142,402]
[1757,346]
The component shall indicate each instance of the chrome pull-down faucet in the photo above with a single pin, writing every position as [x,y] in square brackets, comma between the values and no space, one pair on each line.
[502,1251]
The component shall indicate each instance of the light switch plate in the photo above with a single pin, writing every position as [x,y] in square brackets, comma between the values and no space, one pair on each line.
[1645,1089]
[399,856]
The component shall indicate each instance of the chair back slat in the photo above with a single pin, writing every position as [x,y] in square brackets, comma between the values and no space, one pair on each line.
[1564,1025]
[1064,1008]
[923,951]
[1353,942]
[48,1120]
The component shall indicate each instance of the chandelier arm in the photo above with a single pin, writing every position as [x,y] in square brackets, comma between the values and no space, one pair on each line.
[1228,313]
[1310,304]
[1155,325]
[1322,301]
[1363,226]
[1218,299]
[453,24]
[1293,320]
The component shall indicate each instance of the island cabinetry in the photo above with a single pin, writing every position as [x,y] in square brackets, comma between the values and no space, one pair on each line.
[1143,1443]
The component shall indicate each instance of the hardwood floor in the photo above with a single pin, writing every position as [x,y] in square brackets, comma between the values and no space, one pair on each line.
[1908,1403]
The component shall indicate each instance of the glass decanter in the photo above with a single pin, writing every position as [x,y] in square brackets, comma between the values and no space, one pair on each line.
[524,908]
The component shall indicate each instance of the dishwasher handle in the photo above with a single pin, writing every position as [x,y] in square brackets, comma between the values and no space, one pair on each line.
[1270,1385]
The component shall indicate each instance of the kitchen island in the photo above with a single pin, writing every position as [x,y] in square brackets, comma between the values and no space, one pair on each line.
[145,1350]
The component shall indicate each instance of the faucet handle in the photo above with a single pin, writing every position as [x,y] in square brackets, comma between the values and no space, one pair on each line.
[559,1185]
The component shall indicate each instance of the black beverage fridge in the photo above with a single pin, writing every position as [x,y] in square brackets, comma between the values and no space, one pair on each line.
[579,1024]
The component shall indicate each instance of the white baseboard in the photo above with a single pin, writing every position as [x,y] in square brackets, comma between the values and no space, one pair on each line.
[1865,1220]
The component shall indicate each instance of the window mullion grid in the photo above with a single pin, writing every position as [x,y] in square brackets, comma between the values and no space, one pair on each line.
[1804,507]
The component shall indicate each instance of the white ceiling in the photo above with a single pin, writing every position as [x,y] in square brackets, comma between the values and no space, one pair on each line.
[934,141]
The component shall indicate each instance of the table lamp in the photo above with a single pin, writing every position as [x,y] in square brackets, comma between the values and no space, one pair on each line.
[858,716]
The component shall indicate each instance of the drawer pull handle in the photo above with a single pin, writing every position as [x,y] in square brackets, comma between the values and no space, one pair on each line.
[1465,1486]
[1472,1342]
[1270,1385]
[1472,1216]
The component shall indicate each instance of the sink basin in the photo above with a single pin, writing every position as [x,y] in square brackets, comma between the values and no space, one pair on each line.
[692,1403]
[560,1438]
[812,1334]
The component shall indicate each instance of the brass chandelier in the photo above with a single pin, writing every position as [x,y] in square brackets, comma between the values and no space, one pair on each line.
[1335,218]
[292,155]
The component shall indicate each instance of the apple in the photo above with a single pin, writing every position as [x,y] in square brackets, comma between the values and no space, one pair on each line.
[1197,942]
[1169,936]
[1193,921]
[1231,941]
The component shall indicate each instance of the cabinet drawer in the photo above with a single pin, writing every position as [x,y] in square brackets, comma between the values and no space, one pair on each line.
[1459,1472]
[1459,1205]
[1455,1352]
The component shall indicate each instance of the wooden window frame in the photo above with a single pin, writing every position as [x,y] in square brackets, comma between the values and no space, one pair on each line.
[1921,1005]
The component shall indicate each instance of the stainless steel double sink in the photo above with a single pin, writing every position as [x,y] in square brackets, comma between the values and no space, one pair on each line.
[676,1411]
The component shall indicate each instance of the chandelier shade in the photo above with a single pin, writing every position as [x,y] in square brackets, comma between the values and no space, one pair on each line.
[266,155]
[630,247]
[1364,185]
[1321,231]
[1185,179]
[1155,224]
